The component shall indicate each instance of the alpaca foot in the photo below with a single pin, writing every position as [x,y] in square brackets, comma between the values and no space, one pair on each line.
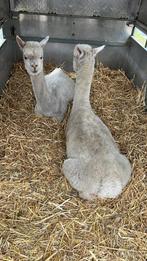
[110,188]
[72,171]
[38,114]
[38,111]
[59,117]
[87,196]
[75,172]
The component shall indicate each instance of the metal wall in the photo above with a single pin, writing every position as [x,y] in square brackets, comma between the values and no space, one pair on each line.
[69,29]
[136,63]
[96,22]
[143,12]
[125,9]
[142,17]
[90,21]
[6,53]
[7,57]
[4,10]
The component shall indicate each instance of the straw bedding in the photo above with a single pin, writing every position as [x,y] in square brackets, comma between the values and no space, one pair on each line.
[41,216]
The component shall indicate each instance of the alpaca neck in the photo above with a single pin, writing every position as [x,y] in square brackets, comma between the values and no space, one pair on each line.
[39,87]
[83,85]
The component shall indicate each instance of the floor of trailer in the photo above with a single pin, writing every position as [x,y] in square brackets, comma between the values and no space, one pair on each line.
[42,217]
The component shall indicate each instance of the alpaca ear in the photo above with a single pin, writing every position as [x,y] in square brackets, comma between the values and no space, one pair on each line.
[44,41]
[79,52]
[98,49]
[20,42]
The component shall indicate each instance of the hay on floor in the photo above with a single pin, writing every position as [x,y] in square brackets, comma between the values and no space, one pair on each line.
[41,216]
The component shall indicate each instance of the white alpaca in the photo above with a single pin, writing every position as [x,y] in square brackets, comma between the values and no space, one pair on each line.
[94,167]
[52,91]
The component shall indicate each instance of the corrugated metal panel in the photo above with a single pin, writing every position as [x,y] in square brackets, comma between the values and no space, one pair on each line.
[103,8]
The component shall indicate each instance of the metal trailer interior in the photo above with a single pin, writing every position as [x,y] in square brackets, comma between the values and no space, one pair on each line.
[95,22]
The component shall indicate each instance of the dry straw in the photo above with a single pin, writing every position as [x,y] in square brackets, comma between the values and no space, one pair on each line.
[41,217]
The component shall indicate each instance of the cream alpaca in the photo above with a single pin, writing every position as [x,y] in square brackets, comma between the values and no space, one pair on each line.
[95,166]
[52,91]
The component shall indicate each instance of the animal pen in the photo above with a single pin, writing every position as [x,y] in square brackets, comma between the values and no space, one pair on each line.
[41,216]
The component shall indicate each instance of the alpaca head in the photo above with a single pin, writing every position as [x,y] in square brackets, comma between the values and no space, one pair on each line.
[32,54]
[84,54]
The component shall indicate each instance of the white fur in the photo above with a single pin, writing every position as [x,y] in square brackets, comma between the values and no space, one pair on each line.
[94,167]
[52,91]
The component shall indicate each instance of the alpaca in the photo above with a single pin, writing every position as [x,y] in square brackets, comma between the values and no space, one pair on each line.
[52,91]
[94,165]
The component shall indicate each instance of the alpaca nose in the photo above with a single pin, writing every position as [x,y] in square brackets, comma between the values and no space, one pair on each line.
[34,66]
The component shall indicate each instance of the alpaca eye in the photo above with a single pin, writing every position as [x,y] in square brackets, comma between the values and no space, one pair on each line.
[41,57]
[25,57]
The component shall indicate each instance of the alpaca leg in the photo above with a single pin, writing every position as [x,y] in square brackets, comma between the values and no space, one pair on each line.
[125,170]
[61,111]
[87,196]
[38,110]
[111,187]
[59,117]
[72,170]
[116,175]
[75,172]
